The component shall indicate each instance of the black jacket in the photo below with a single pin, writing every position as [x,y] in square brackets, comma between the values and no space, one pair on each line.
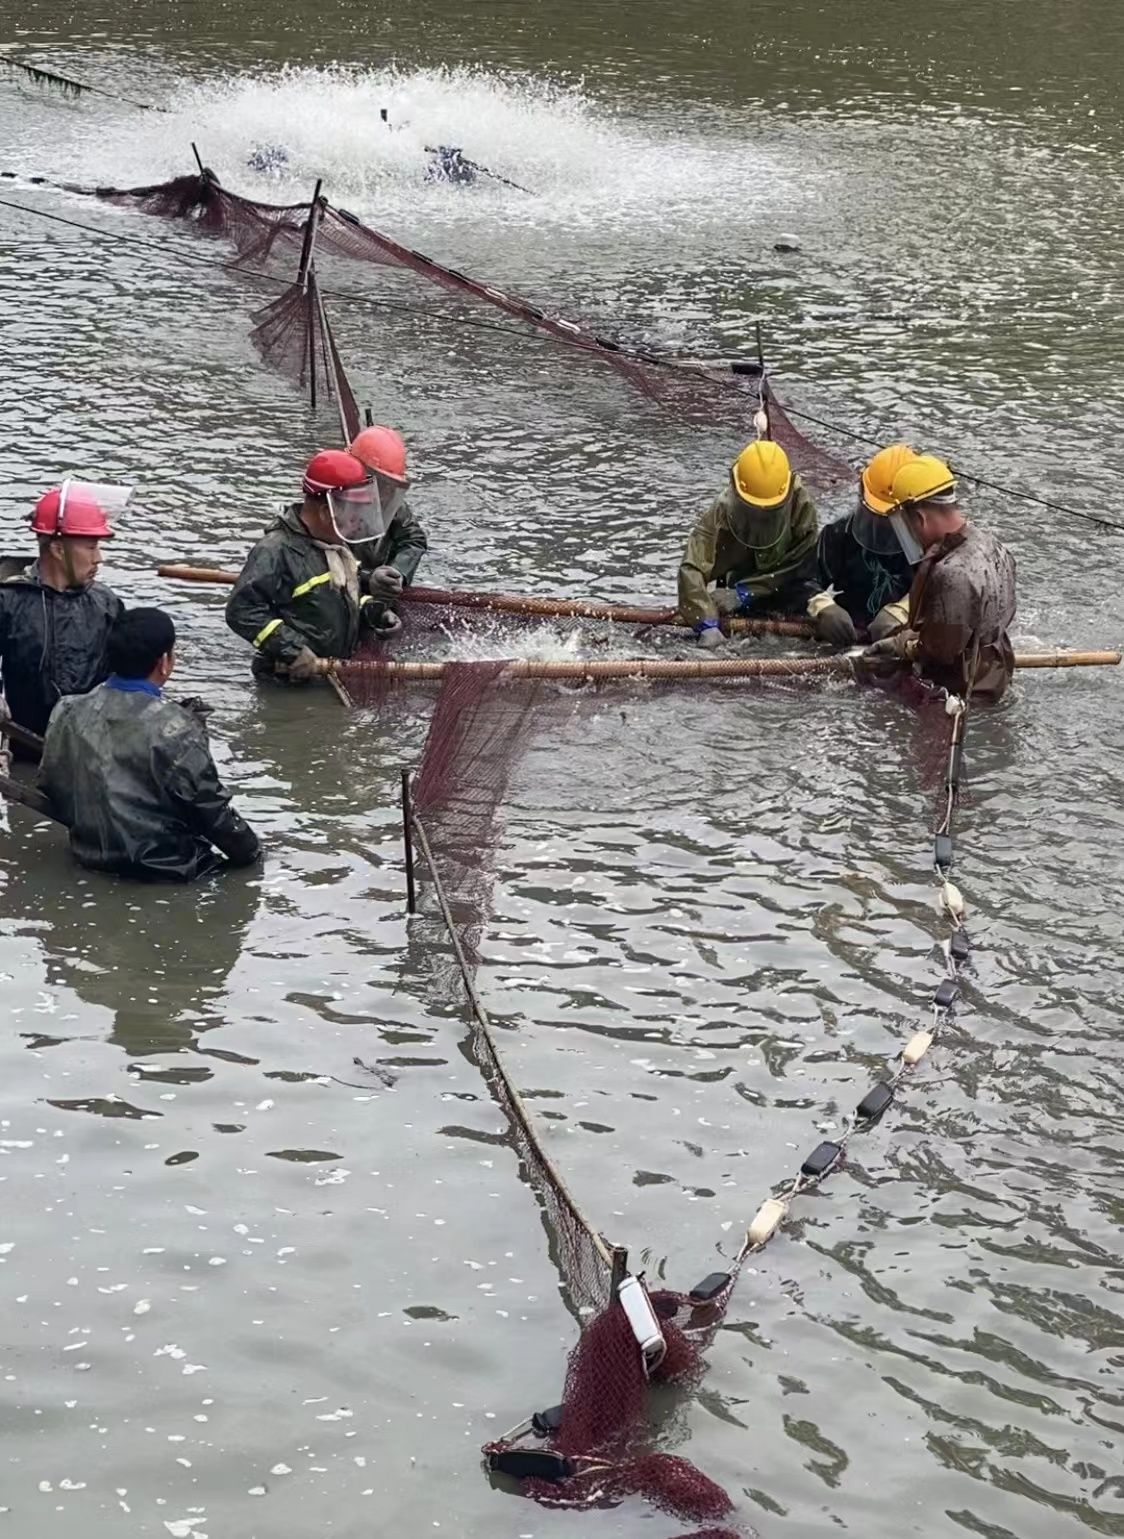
[51,643]
[402,546]
[285,598]
[864,582]
[132,775]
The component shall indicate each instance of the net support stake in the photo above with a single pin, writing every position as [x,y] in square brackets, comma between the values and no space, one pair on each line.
[619,1256]
[368,417]
[760,346]
[312,225]
[408,844]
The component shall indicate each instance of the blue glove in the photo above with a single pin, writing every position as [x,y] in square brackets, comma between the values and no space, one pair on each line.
[709,634]
[735,600]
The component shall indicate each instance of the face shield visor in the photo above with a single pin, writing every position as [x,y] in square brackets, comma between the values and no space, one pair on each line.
[878,533]
[903,529]
[86,507]
[357,513]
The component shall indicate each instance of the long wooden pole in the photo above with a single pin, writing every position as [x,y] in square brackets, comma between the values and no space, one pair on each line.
[629,614]
[530,604]
[29,797]
[707,669]
[626,668]
[24,737]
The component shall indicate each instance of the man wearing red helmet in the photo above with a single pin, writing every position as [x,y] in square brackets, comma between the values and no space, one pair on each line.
[299,596]
[55,618]
[390,564]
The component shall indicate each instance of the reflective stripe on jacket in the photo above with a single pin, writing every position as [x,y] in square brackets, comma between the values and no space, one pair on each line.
[286,597]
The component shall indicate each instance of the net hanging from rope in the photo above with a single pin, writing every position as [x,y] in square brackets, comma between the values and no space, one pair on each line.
[479,728]
[293,335]
[686,389]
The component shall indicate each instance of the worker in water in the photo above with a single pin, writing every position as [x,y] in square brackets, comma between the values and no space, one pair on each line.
[861,562]
[299,597]
[962,601]
[756,543]
[130,771]
[55,617]
[389,563]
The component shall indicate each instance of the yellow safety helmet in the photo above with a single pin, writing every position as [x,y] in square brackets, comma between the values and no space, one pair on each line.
[924,479]
[876,484]
[762,474]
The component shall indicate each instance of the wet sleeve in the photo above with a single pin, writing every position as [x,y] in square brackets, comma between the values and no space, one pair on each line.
[407,544]
[204,802]
[696,571]
[830,555]
[255,608]
[946,624]
[53,777]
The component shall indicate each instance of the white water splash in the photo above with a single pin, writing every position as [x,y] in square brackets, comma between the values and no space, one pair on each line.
[584,163]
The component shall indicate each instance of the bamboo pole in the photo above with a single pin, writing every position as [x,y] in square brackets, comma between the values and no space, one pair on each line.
[632,614]
[1061,659]
[626,668]
[29,797]
[706,669]
[531,604]
[24,737]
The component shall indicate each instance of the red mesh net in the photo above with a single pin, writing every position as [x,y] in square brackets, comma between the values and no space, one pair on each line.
[294,335]
[478,729]
[605,1429]
[688,389]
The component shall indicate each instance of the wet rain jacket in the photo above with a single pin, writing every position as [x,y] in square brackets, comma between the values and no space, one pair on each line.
[863,581]
[51,643]
[961,606]
[286,597]
[402,546]
[131,773]
[717,553]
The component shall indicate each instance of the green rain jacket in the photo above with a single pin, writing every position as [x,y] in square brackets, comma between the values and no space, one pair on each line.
[721,550]
[131,773]
[286,597]
[402,546]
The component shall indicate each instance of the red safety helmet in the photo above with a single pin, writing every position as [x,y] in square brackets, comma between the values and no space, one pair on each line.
[383,450]
[78,515]
[333,470]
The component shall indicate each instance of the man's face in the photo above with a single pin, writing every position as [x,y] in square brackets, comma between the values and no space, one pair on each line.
[80,559]
[317,520]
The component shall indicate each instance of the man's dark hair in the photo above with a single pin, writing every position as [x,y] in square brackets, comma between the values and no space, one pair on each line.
[138,641]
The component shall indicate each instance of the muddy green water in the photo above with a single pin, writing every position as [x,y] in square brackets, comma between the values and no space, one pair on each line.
[249,1290]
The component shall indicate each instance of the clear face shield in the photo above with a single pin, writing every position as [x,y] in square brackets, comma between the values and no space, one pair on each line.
[886,534]
[878,533]
[357,513]
[86,507]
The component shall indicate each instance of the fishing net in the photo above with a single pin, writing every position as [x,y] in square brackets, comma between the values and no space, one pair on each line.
[294,335]
[685,388]
[605,1430]
[479,727]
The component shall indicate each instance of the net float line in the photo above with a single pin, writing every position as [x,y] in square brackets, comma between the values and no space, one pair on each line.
[531,604]
[707,669]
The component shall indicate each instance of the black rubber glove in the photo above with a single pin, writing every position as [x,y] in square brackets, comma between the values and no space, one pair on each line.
[834,625]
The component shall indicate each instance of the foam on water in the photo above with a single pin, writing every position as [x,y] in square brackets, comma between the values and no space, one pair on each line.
[584,162]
